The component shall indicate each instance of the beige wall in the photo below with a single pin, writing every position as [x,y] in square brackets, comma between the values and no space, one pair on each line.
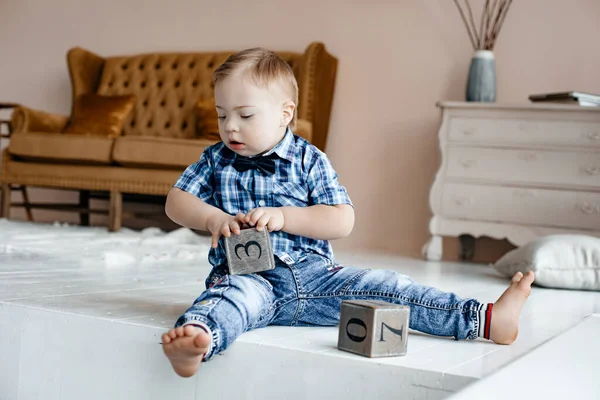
[396,61]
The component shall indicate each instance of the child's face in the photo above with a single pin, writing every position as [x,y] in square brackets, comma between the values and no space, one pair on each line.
[252,119]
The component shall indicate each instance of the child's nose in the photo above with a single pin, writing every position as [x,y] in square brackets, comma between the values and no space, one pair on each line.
[231,125]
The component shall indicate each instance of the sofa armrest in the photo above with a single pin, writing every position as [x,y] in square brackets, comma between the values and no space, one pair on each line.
[316,89]
[29,120]
[6,122]
[304,129]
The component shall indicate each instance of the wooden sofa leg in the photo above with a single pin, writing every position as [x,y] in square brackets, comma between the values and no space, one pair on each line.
[26,203]
[84,202]
[5,201]
[115,212]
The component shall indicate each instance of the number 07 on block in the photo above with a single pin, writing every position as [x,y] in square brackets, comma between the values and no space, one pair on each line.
[373,328]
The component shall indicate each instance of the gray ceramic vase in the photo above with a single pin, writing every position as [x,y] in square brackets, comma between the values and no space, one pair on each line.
[481,84]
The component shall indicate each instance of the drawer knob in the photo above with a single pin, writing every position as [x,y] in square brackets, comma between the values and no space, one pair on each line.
[462,201]
[529,126]
[528,156]
[523,126]
[593,136]
[592,170]
[588,208]
[467,163]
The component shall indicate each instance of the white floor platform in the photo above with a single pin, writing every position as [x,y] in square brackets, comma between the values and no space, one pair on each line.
[82,311]
[563,368]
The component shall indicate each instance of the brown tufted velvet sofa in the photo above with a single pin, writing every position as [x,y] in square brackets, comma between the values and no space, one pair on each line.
[159,136]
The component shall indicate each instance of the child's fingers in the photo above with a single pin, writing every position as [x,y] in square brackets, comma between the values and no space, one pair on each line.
[262,222]
[235,227]
[215,239]
[226,231]
[256,215]
[248,215]
[241,218]
[272,225]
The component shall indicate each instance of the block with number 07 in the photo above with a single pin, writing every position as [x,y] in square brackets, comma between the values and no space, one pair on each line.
[373,328]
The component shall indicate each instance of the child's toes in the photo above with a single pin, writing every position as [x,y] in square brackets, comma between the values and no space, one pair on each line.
[166,339]
[189,330]
[528,279]
[202,341]
[517,277]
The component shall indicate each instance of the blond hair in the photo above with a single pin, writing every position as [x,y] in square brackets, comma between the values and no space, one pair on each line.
[264,67]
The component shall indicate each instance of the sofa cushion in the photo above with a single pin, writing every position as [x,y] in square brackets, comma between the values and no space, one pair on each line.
[100,115]
[207,120]
[157,152]
[63,147]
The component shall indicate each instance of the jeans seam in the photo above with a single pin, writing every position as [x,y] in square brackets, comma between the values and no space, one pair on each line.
[354,279]
[342,292]
[386,295]
[298,291]
[299,310]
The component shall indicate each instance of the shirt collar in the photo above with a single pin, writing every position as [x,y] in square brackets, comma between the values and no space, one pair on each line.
[285,148]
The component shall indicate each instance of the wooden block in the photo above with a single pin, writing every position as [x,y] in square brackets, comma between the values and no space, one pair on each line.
[373,328]
[249,252]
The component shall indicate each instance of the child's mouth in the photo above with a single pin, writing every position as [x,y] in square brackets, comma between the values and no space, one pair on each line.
[235,144]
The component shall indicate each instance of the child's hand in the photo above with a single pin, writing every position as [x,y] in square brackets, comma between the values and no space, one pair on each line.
[271,217]
[224,224]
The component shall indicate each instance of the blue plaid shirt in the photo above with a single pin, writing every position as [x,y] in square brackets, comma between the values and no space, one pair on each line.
[303,177]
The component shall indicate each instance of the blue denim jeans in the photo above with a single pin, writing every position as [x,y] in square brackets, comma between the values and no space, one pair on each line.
[310,292]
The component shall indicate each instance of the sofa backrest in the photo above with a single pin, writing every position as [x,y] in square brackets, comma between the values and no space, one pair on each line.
[168,85]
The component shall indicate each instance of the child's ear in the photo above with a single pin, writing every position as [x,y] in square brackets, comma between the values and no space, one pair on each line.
[287,113]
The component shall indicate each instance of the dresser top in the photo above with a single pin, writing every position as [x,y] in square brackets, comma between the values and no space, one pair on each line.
[516,106]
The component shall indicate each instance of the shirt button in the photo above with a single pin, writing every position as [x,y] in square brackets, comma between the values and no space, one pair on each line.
[261,203]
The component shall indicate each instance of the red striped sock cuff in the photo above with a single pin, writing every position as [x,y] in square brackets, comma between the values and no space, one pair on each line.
[485,320]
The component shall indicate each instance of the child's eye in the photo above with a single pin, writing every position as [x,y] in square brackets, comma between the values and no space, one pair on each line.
[221,117]
[246,116]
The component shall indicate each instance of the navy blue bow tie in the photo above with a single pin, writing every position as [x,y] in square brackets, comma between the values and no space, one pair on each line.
[265,164]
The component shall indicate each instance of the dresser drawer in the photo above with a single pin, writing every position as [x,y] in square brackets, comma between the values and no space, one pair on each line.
[524,131]
[525,166]
[521,206]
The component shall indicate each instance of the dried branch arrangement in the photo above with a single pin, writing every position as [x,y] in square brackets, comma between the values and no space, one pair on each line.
[492,17]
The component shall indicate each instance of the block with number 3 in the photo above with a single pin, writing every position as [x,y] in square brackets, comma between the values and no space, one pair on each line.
[373,328]
[249,252]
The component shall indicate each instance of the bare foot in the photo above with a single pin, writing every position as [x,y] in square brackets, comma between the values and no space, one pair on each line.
[185,347]
[507,309]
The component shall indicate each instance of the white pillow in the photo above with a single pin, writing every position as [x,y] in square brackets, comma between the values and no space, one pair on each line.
[558,261]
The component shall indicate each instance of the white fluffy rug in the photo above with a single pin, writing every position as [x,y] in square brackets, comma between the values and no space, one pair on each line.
[23,242]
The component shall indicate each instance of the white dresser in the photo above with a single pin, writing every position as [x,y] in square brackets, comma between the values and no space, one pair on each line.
[515,172]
